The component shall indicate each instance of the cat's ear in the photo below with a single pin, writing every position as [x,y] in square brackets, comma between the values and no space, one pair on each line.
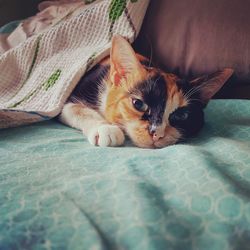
[124,63]
[210,84]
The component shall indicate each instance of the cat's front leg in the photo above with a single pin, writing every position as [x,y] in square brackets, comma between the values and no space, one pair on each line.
[93,125]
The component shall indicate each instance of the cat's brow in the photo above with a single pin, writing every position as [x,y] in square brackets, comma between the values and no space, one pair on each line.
[135,92]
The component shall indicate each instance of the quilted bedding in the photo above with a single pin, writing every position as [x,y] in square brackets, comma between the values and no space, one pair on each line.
[58,192]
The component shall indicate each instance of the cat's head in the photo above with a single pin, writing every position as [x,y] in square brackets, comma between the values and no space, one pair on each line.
[155,108]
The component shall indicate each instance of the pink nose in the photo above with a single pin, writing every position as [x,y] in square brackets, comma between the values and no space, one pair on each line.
[156,137]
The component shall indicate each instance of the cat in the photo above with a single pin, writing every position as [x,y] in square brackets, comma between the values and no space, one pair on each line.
[123,94]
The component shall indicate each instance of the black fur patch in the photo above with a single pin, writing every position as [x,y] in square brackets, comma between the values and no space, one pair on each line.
[154,94]
[188,120]
[88,88]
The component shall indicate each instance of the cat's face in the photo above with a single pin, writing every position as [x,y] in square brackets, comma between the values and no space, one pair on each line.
[155,109]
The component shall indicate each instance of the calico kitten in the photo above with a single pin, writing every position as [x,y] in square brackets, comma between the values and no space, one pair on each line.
[124,95]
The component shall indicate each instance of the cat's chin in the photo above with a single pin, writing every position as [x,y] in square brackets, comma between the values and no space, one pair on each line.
[165,142]
[142,139]
[159,144]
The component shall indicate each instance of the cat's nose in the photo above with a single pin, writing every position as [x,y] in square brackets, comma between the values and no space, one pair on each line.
[156,133]
[156,137]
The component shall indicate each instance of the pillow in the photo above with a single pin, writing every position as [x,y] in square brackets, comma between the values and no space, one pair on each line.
[195,37]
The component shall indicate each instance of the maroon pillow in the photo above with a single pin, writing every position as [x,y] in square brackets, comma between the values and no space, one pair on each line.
[195,37]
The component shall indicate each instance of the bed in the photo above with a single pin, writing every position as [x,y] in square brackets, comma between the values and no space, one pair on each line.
[58,192]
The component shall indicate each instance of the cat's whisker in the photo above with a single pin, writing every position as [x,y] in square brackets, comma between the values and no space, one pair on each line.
[195,89]
[193,99]
[157,79]
[151,54]
[192,91]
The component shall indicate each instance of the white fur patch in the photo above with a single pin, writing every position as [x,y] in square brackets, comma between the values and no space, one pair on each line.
[67,116]
[106,135]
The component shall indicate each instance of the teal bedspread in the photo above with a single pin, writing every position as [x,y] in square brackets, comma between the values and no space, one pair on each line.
[58,192]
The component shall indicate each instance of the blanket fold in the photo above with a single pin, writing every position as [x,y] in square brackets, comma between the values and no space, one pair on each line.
[54,50]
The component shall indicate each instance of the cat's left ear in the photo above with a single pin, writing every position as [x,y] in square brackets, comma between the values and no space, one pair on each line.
[210,84]
[124,63]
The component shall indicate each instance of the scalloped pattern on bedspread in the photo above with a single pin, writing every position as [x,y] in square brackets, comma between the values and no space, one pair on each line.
[58,192]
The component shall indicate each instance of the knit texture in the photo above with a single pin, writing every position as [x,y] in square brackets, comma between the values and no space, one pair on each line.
[38,75]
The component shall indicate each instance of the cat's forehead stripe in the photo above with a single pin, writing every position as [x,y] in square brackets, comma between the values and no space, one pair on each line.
[154,94]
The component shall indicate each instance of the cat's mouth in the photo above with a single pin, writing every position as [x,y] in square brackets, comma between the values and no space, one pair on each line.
[146,140]
[168,137]
[159,144]
[165,141]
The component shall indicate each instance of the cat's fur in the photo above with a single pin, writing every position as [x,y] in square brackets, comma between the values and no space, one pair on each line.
[125,95]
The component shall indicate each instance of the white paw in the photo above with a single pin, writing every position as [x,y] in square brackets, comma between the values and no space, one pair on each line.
[106,135]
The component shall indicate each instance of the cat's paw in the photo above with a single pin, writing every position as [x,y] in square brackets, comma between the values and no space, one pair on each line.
[106,135]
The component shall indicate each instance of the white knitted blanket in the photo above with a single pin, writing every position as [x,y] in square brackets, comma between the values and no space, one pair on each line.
[38,75]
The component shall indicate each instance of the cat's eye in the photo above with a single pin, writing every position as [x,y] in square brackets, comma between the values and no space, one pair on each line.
[182,116]
[139,105]
[179,116]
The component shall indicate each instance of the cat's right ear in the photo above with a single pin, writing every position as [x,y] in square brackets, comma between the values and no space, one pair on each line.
[209,85]
[124,63]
